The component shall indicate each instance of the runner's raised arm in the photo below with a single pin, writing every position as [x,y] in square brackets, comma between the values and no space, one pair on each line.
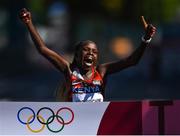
[56,59]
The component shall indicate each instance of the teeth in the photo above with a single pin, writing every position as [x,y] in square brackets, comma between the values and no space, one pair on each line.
[88,64]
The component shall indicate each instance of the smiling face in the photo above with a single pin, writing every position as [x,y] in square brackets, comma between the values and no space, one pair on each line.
[87,56]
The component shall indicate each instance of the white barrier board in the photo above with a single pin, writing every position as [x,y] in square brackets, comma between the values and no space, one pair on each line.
[79,119]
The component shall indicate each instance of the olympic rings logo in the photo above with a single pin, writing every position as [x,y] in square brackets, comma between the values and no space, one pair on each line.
[44,122]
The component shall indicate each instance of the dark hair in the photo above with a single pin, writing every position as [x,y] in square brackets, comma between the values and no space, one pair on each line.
[82,43]
[79,46]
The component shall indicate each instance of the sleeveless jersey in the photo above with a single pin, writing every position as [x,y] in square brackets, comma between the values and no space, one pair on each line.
[86,90]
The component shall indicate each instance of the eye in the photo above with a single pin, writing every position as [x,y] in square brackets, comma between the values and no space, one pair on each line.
[95,51]
[85,49]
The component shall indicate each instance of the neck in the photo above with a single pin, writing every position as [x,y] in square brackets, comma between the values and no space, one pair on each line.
[87,73]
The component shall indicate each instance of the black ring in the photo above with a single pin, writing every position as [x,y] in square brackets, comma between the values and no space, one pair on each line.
[45,121]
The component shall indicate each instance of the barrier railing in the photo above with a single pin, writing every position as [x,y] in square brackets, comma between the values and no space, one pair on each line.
[106,118]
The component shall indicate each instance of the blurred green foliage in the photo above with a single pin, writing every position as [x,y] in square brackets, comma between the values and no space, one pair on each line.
[158,10]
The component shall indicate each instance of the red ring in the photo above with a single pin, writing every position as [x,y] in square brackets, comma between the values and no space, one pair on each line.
[65,123]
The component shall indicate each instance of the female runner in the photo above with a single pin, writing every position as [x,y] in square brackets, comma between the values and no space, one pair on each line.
[85,80]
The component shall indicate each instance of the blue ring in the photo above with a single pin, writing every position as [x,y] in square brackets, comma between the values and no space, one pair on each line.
[28,109]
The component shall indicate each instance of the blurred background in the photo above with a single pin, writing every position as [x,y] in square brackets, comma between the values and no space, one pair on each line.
[114,25]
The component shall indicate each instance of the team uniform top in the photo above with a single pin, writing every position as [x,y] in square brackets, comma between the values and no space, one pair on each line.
[86,90]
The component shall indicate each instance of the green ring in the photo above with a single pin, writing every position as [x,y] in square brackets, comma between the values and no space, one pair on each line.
[55,131]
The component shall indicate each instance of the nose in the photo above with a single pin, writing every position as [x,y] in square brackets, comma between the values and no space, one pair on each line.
[90,52]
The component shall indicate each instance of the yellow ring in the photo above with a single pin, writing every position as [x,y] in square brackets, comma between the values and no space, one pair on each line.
[35,131]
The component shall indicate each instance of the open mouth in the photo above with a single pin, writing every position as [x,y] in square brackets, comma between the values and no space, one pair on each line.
[88,61]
